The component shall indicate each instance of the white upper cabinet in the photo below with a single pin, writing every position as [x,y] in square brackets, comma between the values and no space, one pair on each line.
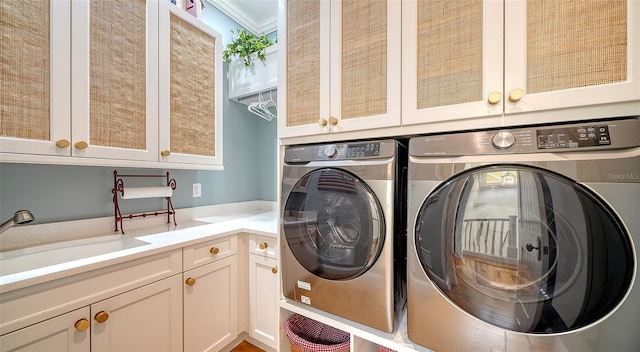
[190,85]
[35,108]
[563,54]
[81,85]
[114,65]
[130,83]
[341,63]
[451,59]
[557,55]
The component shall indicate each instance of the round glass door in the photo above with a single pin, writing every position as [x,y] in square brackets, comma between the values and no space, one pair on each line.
[524,249]
[333,224]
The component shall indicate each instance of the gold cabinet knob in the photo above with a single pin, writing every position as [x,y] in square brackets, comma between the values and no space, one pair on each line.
[274,270]
[322,122]
[263,245]
[101,316]
[82,324]
[494,98]
[333,121]
[214,250]
[190,281]
[81,145]
[165,153]
[62,143]
[516,95]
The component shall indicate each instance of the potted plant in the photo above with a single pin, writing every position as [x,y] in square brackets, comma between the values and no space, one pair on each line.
[245,44]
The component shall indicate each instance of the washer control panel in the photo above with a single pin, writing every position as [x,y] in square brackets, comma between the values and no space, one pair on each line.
[380,149]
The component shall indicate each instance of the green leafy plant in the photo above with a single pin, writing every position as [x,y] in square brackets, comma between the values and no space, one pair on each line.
[244,44]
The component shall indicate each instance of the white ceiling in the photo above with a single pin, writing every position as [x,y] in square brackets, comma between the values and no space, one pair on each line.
[258,16]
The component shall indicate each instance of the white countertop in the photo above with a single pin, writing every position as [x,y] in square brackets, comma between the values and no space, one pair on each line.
[160,238]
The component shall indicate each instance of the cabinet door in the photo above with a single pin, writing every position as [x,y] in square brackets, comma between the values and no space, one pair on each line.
[148,318]
[263,299]
[211,305]
[114,79]
[451,60]
[62,333]
[365,64]
[305,41]
[35,86]
[190,89]
[563,54]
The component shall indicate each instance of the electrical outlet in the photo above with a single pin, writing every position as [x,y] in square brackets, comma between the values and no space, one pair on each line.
[197,190]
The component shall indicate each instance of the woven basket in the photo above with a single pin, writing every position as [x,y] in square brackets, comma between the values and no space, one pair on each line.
[308,335]
[384,349]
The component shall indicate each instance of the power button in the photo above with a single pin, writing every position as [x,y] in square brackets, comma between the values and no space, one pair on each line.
[503,140]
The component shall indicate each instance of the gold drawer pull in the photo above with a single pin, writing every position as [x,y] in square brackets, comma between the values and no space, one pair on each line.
[81,145]
[274,270]
[101,316]
[333,121]
[165,153]
[63,143]
[263,245]
[322,122]
[82,324]
[190,281]
[214,250]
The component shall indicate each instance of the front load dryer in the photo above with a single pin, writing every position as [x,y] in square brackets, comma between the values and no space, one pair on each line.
[343,229]
[524,239]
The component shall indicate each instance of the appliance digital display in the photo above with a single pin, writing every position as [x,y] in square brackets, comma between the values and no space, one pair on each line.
[573,137]
[363,150]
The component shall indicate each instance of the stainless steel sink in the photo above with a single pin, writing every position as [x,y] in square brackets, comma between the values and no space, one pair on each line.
[20,260]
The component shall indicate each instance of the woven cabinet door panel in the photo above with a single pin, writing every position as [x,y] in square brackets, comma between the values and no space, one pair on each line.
[25,69]
[118,58]
[574,44]
[192,101]
[303,62]
[364,58]
[449,52]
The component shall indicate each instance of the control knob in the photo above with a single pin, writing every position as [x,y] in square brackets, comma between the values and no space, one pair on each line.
[503,140]
[330,151]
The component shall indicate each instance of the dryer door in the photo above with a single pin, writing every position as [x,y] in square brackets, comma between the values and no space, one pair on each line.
[333,224]
[524,248]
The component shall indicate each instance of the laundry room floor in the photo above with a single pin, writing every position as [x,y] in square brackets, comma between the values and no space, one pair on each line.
[245,346]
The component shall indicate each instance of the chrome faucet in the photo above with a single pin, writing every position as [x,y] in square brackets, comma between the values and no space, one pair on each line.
[20,217]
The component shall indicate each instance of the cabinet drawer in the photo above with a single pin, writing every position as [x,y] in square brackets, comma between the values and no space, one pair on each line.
[265,246]
[210,251]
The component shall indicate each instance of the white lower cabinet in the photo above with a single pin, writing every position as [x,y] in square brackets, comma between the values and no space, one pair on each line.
[210,297]
[68,332]
[263,299]
[183,300]
[148,318]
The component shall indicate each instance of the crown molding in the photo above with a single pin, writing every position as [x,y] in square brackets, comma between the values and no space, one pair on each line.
[226,7]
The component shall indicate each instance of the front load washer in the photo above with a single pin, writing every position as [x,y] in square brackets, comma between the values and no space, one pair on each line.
[343,229]
[523,239]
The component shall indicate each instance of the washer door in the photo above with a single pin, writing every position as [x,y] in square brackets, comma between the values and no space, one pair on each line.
[524,249]
[333,224]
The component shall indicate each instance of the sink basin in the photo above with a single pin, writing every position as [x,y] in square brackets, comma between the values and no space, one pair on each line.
[20,260]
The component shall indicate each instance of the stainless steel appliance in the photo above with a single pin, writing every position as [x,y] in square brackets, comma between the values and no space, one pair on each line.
[524,239]
[343,235]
